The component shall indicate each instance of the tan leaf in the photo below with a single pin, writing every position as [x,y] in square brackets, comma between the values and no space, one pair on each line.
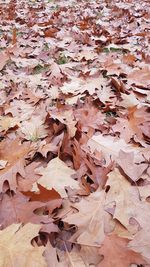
[89,219]
[33,129]
[56,175]
[126,162]
[51,257]
[117,254]
[3,164]
[72,259]
[66,117]
[7,122]
[14,153]
[141,244]
[140,77]
[79,86]
[4,58]
[108,145]
[124,199]
[16,249]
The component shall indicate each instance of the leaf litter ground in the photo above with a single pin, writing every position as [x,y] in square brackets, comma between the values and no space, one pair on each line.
[74,133]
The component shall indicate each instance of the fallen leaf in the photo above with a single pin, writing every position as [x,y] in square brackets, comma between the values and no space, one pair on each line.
[116,253]
[140,243]
[126,162]
[33,129]
[57,175]
[123,202]
[7,122]
[51,257]
[43,195]
[140,77]
[4,58]
[17,208]
[16,248]
[90,213]
[108,145]
[14,153]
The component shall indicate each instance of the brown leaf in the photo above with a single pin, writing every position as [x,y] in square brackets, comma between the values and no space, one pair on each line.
[42,195]
[4,57]
[51,32]
[126,162]
[14,153]
[140,77]
[117,254]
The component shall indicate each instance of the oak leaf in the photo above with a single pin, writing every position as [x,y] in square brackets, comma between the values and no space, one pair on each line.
[17,208]
[57,175]
[123,202]
[108,145]
[7,122]
[51,257]
[117,254]
[140,77]
[126,162]
[16,248]
[14,153]
[90,213]
[4,58]
[33,129]
[141,244]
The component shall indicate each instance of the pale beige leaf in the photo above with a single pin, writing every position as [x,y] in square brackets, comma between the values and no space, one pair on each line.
[141,243]
[123,200]
[56,175]
[33,129]
[90,214]
[108,145]
[3,163]
[7,122]
[72,259]
[16,249]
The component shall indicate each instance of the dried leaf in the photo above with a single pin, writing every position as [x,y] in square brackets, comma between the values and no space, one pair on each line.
[16,248]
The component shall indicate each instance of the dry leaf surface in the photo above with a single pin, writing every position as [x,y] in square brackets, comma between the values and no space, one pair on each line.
[74,133]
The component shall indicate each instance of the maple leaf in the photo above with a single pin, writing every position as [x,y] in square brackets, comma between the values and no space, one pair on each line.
[90,213]
[16,248]
[56,175]
[119,254]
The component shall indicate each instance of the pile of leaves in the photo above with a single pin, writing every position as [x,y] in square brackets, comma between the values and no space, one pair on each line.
[74,133]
